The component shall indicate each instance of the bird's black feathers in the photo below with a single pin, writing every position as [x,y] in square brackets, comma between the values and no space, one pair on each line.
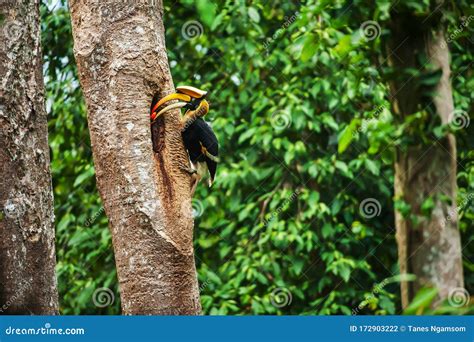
[199,135]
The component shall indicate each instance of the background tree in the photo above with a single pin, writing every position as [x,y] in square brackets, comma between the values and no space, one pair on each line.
[27,250]
[429,243]
[122,62]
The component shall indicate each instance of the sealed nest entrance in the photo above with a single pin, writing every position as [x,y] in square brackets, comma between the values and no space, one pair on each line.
[158,142]
[158,134]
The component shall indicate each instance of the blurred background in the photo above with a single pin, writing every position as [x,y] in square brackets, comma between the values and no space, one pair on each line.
[301,217]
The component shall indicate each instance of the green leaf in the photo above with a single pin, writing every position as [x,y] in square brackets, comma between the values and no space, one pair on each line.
[217,21]
[309,48]
[327,230]
[347,135]
[345,139]
[207,11]
[431,78]
[336,206]
[427,206]
[422,300]
[344,45]
[84,176]
[372,167]
[298,265]
[253,14]
[345,272]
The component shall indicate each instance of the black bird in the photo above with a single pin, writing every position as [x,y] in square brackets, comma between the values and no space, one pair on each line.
[198,136]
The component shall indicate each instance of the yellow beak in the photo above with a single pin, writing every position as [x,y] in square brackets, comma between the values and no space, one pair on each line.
[182,97]
[167,108]
[191,91]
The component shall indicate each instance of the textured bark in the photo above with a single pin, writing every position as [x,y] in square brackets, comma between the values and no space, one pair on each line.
[121,56]
[430,249]
[27,252]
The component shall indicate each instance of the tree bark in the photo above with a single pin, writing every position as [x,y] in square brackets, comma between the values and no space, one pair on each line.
[27,253]
[430,248]
[121,56]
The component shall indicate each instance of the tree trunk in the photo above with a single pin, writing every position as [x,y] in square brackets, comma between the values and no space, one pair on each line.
[27,254]
[121,56]
[430,248]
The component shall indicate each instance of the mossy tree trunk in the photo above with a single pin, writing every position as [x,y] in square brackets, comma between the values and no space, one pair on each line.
[428,242]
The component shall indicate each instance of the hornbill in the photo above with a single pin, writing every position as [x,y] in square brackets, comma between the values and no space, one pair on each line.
[198,136]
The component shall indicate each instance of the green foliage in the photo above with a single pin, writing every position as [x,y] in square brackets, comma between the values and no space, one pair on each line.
[422,301]
[306,133]
[424,298]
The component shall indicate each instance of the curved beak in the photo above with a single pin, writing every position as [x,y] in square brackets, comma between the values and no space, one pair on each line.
[167,108]
[176,96]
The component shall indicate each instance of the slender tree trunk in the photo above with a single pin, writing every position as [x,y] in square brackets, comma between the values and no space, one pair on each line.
[121,56]
[430,248]
[27,253]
